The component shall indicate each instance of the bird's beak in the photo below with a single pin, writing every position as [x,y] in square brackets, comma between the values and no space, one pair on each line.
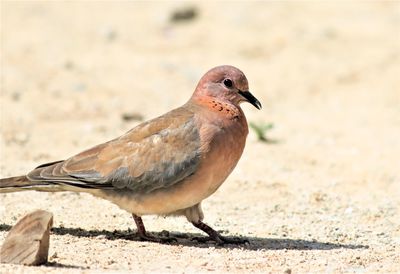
[250,98]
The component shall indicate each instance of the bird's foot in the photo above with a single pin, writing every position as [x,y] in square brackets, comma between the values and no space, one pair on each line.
[142,234]
[215,236]
[150,238]
[234,240]
[221,240]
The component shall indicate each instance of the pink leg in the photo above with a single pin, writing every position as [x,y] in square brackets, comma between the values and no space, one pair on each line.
[141,231]
[218,238]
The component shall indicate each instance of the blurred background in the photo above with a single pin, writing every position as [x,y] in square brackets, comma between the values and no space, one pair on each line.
[322,159]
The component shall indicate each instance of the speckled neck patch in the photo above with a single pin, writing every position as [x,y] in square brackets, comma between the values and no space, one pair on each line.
[224,108]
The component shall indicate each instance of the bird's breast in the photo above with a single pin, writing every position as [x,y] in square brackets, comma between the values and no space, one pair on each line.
[225,147]
[221,147]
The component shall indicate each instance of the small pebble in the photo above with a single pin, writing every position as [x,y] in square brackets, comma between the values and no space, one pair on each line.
[184,14]
[133,116]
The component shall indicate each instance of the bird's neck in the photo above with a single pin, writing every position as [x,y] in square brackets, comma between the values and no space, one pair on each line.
[224,108]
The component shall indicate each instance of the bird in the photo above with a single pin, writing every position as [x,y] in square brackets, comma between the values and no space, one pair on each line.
[165,166]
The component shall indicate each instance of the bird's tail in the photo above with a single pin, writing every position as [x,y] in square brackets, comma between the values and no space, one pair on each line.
[20,183]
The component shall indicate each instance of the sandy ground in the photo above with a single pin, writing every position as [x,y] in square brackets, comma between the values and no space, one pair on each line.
[324,197]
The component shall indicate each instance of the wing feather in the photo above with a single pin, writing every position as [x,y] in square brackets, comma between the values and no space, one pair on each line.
[153,155]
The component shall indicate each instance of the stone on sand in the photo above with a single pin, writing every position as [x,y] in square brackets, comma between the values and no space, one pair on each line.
[28,241]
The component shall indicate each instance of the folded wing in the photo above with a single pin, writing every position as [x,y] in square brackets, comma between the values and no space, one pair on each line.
[153,155]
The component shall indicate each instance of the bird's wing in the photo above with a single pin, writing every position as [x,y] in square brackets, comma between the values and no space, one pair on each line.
[153,155]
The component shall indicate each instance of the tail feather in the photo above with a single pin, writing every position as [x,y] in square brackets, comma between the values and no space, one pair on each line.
[20,183]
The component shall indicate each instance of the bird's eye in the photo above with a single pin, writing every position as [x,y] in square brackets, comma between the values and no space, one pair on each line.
[228,83]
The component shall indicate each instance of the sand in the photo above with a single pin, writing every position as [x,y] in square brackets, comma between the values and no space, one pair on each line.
[322,196]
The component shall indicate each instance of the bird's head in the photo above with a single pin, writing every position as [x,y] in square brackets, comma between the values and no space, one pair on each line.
[226,83]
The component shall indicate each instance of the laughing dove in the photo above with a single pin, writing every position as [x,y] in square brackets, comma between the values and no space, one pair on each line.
[165,166]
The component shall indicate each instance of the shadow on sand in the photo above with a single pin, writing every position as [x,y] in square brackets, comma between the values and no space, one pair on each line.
[186,239]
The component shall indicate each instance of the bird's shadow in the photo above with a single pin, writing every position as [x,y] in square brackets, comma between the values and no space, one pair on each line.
[187,239]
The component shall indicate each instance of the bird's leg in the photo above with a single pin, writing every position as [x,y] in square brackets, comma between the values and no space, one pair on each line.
[218,238]
[141,231]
